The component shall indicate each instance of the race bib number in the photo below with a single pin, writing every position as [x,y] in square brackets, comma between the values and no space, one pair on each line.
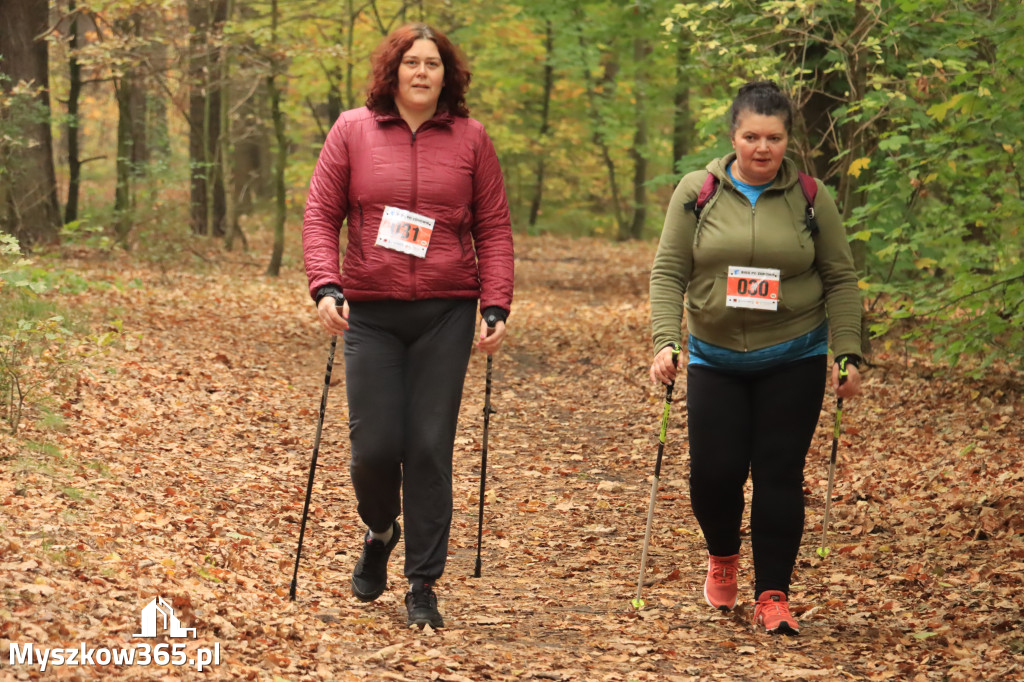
[405,231]
[755,288]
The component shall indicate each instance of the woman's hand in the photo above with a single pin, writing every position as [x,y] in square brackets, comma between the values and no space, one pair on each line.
[663,370]
[335,321]
[851,386]
[490,337]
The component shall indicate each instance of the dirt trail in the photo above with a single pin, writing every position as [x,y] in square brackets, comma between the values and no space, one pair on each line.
[181,467]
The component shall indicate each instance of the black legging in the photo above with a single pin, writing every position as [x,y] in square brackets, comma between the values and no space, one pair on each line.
[405,365]
[759,423]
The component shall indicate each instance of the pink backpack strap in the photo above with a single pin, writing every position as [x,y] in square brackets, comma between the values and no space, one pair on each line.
[707,190]
[810,189]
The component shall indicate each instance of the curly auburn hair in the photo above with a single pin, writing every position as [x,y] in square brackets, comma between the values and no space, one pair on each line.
[388,56]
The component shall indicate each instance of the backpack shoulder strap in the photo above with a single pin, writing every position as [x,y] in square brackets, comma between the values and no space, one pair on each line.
[707,190]
[810,189]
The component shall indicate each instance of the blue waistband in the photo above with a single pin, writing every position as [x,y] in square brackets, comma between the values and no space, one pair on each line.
[806,346]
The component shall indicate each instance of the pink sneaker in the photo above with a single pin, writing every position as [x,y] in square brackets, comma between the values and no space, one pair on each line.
[772,611]
[720,586]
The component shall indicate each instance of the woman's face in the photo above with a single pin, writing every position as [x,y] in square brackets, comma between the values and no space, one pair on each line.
[420,77]
[760,143]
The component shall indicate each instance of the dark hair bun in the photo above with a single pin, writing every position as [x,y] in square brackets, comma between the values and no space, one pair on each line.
[761,97]
[758,86]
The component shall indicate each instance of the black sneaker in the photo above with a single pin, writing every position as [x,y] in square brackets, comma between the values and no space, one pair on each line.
[370,576]
[421,603]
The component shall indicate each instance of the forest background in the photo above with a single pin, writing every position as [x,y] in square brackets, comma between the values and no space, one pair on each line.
[160,364]
[148,125]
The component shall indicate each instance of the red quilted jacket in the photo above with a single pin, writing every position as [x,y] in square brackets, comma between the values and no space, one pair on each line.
[448,171]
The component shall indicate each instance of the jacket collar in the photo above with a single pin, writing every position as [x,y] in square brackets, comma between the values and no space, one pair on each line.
[786,177]
[443,118]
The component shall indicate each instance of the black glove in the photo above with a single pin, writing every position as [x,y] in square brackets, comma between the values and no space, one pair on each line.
[332,290]
[493,314]
[848,359]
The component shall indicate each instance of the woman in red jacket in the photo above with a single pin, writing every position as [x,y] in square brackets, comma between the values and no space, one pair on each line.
[429,234]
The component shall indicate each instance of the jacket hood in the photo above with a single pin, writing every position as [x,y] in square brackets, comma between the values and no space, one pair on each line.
[784,179]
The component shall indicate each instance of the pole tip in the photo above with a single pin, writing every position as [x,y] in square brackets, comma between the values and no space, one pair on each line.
[637,603]
[824,552]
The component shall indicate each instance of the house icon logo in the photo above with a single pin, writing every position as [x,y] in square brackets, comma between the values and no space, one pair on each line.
[160,611]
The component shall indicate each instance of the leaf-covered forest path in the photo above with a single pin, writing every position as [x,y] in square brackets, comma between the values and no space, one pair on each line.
[181,465]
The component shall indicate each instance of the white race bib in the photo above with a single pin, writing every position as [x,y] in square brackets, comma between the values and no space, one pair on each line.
[405,231]
[755,288]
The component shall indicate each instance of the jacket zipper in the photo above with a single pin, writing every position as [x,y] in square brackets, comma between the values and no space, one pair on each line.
[750,263]
[415,186]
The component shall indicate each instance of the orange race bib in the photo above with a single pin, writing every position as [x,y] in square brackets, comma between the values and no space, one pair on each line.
[405,231]
[754,288]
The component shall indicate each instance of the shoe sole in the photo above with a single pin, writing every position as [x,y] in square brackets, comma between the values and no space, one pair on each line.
[367,596]
[420,623]
[784,629]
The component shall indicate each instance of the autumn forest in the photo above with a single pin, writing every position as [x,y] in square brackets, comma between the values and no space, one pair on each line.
[161,364]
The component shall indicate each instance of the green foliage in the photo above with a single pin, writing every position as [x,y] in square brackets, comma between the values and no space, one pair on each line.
[39,352]
[909,110]
[923,156]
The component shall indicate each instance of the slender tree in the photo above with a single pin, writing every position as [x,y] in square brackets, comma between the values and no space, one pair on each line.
[281,158]
[545,110]
[641,53]
[74,122]
[30,210]
[206,19]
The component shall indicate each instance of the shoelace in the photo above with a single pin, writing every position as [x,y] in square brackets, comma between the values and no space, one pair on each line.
[424,598]
[777,608]
[724,574]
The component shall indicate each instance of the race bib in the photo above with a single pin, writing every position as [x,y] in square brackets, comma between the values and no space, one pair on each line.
[405,231]
[755,288]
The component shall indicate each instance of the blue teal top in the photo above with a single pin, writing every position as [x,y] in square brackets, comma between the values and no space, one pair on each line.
[806,346]
[751,192]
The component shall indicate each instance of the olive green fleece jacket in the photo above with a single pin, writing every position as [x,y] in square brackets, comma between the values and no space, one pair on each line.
[817,276]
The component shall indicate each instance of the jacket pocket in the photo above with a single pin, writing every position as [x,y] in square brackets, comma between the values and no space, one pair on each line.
[466,230]
[801,292]
[697,301]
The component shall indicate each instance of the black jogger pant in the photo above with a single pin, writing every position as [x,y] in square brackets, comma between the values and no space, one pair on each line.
[405,365]
[759,423]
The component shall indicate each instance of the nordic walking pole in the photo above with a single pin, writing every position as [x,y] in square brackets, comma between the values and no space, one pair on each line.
[823,550]
[638,603]
[312,464]
[483,456]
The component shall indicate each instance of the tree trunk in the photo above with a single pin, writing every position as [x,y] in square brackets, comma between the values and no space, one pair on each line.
[30,210]
[593,104]
[207,186]
[74,92]
[122,188]
[274,267]
[549,81]
[132,150]
[159,135]
[641,50]
[682,121]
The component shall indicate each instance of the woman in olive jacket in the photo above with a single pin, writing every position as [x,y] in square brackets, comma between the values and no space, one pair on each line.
[765,280]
